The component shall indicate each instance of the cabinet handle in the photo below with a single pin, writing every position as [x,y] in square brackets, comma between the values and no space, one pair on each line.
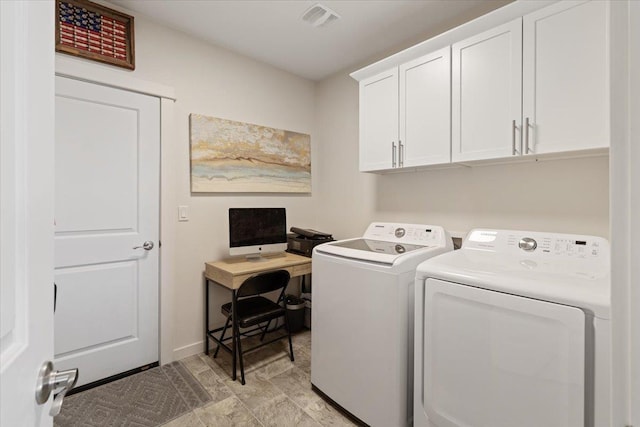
[400,154]
[526,136]
[393,154]
[514,150]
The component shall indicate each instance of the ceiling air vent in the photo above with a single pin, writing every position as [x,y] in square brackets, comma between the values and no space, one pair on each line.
[319,15]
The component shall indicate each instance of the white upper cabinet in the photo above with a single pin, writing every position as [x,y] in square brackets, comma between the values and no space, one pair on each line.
[528,80]
[486,93]
[556,101]
[405,117]
[566,77]
[425,118]
[379,121]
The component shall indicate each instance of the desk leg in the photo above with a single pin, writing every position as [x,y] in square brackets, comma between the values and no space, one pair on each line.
[234,328]
[206,317]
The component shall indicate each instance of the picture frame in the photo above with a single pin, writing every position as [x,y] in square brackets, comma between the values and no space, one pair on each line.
[92,31]
[229,156]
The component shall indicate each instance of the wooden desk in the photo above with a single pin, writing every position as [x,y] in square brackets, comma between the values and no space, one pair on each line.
[232,272]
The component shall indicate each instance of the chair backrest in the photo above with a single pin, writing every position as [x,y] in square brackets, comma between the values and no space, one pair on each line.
[264,282]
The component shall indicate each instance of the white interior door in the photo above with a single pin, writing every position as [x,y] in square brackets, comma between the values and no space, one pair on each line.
[26,207]
[499,360]
[106,206]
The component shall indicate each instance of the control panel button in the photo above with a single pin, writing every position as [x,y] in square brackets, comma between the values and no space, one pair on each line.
[527,244]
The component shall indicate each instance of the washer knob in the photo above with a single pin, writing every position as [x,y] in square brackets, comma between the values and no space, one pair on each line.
[400,232]
[527,244]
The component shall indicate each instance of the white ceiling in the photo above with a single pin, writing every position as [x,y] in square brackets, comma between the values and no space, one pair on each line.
[274,32]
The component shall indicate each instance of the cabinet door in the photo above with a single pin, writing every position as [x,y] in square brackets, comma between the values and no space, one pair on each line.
[379,121]
[486,93]
[565,77]
[425,105]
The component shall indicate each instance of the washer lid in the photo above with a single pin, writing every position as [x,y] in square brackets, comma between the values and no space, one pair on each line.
[369,250]
[378,246]
[556,271]
[386,243]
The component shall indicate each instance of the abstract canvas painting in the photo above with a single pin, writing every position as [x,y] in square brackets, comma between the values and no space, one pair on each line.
[229,156]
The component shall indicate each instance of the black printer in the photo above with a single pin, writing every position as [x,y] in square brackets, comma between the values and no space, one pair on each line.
[302,240]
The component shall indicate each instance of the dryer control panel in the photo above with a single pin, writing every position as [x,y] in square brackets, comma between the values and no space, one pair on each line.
[537,244]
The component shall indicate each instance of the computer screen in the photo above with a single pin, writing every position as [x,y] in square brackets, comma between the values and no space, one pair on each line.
[255,231]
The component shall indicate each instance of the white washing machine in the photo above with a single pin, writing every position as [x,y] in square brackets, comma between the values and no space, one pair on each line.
[362,335]
[513,330]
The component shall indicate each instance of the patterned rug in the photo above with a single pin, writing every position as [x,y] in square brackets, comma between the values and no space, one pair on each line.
[150,398]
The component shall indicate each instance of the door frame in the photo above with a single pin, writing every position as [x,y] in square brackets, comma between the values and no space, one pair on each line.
[82,70]
[624,188]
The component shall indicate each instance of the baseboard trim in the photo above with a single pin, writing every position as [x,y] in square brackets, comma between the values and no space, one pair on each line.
[188,350]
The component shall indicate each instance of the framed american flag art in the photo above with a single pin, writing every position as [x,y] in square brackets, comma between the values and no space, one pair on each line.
[95,32]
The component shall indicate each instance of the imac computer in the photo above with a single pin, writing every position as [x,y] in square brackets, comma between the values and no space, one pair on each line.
[257,231]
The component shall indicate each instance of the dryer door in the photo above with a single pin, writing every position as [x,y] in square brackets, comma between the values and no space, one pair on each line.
[497,360]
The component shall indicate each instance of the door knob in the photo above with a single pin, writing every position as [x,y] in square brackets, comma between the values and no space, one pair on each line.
[147,246]
[50,381]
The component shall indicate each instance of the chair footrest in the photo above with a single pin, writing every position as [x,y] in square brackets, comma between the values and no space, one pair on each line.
[262,344]
[210,335]
[246,334]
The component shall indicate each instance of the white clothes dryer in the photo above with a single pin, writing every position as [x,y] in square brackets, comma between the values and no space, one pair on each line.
[513,330]
[362,317]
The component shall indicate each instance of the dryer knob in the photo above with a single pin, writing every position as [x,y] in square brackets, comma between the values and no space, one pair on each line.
[400,232]
[527,244]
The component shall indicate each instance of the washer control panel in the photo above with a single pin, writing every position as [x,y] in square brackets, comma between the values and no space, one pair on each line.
[415,234]
[527,244]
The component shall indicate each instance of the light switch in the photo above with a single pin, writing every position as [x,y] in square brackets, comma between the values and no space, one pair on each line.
[183,213]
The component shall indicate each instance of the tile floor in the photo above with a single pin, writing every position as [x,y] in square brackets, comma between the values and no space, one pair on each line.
[277,391]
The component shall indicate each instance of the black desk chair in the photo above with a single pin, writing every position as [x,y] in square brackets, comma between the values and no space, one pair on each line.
[253,310]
